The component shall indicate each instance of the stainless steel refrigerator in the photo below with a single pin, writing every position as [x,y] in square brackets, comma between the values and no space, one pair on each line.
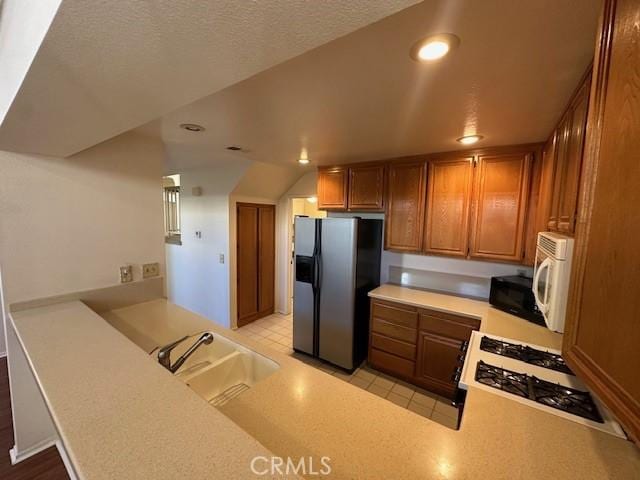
[337,262]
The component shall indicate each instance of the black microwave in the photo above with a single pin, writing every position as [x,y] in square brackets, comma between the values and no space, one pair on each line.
[513,294]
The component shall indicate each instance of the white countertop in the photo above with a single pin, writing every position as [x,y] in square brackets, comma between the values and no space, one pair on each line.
[298,411]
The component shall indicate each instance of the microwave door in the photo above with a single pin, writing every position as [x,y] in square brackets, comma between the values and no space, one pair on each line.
[541,284]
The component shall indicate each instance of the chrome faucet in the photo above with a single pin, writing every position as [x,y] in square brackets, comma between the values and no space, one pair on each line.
[164,354]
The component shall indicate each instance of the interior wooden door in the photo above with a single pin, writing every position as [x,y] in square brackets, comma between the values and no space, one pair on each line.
[255,261]
[449,184]
[602,328]
[405,206]
[247,263]
[266,259]
[366,188]
[332,188]
[568,201]
[500,199]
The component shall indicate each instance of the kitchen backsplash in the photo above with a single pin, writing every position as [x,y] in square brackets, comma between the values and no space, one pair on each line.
[464,285]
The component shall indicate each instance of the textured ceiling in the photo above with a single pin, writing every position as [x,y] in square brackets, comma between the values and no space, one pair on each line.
[361,97]
[109,66]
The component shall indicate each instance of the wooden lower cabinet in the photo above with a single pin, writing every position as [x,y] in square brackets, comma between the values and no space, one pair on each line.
[423,347]
[438,359]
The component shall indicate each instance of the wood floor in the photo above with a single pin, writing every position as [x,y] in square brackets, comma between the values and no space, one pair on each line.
[46,465]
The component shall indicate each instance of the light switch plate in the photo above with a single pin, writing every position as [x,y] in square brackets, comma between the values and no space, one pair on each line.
[150,270]
[126,274]
[221,258]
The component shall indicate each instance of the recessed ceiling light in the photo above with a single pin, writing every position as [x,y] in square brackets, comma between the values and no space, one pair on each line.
[434,47]
[192,127]
[234,148]
[303,161]
[469,139]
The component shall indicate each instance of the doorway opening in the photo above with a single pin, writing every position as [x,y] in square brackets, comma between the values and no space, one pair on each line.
[303,206]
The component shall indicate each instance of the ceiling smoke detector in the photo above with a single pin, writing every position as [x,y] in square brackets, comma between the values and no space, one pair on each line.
[192,127]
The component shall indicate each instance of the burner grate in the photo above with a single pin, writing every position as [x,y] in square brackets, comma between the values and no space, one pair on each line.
[525,354]
[553,395]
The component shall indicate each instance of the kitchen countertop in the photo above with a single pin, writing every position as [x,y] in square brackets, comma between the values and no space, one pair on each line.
[300,411]
[120,415]
[493,321]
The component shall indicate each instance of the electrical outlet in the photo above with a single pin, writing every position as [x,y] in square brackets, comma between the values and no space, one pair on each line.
[150,270]
[221,258]
[126,274]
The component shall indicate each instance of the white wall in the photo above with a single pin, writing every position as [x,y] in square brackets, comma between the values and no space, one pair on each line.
[69,224]
[23,25]
[304,187]
[196,280]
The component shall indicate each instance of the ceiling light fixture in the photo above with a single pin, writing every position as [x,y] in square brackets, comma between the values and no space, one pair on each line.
[234,148]
[192,127]
[433,47]
[469,139]
[304,157]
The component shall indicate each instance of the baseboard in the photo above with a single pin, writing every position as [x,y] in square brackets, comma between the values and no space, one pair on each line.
[17,457]
[67,462]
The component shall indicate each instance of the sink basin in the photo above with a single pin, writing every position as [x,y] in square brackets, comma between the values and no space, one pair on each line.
[222,370]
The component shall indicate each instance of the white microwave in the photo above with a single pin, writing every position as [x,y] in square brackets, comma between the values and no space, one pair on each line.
[551,276]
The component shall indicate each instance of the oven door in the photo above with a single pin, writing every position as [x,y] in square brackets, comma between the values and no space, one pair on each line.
[541,286]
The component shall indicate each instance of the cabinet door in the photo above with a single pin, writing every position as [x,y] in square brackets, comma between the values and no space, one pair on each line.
[438,359]
[501,192]
[405,206]
[602,334]
[332,188]
[366,188]
[547,183]
[449,184]
[568,201]
[562,146]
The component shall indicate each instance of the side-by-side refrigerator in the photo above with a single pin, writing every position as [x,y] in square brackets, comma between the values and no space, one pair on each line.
[337,262]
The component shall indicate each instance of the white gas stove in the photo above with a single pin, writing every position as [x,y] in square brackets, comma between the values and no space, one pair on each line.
[535,376]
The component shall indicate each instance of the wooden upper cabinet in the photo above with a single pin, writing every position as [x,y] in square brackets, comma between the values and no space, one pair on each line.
[405,206]
[332,188]
[562,145]
[602,334]
[567,160]
[568,202]
[449,184]
[366,188]
[500,198]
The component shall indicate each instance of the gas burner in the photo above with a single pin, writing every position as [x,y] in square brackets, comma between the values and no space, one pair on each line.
[565,398]
[546,393]
[502,379]
[526,354]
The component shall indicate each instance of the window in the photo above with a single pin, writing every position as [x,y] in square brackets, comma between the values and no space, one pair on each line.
[172,210]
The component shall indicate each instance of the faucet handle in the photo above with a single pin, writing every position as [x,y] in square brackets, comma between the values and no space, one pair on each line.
[165,352]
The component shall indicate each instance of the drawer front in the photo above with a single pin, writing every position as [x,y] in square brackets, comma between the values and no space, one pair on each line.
[448,328]
[397,314]
[394,331]
[473,323]
[391,363]
[389,345]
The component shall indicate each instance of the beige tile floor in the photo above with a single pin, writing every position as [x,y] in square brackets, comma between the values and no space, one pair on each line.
[276,331]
